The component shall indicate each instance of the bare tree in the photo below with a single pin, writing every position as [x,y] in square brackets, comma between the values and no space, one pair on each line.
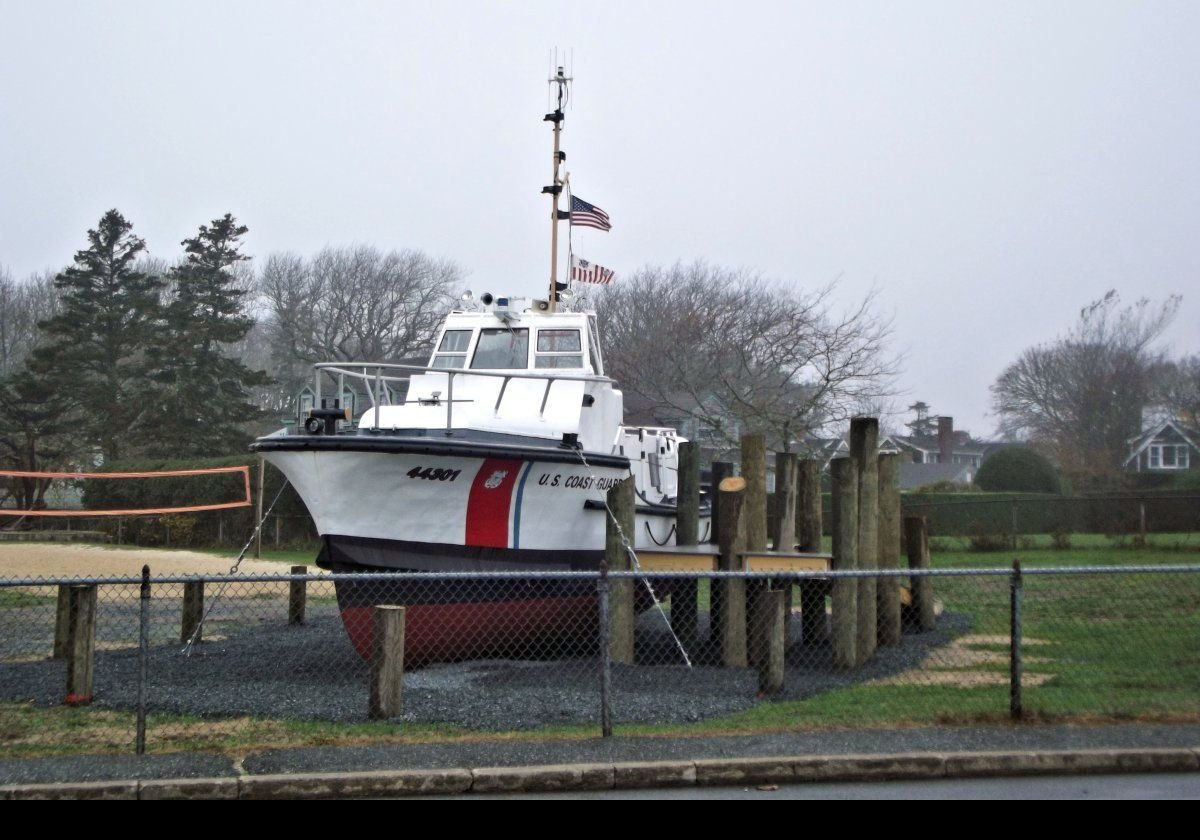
[345,304]
[1081,397]
[1177,389]
[739,352]
[22,306]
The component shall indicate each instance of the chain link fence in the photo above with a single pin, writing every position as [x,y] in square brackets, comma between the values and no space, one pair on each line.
[118,664]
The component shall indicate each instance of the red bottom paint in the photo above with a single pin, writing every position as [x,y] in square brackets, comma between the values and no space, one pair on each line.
[532,628]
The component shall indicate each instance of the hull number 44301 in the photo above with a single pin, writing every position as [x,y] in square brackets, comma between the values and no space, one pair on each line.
[433,473]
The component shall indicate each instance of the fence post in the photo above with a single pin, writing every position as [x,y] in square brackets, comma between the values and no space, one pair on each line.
[1142,518]
[864,447]
[888,589]
[845,557]
[733,590]
[1015,709]
[605,656]
[81,644]
[120,528]
[387,663]
[618,529]
[62,622]
[1014,524]
[143,659]
[687,532]
[193,612]
[277,530]
[916,541]
[808,535]
[297,595]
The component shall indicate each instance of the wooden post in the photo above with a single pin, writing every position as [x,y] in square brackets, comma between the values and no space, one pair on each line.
[193,611]
[621,502]
[721,470]
[297,595]
[771,670]
[754,518]
[62,622]
[258,509]
[277,530]
[888,591]
[387,663]
[916,540]
[733,590]
[808,537]
[81,644]
[864,447]
[845,557]
[687,532]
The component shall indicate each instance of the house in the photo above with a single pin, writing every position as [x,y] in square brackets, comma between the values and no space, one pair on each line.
[945,447]
[1165,446]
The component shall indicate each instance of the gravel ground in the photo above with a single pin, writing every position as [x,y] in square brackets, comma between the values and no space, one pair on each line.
[255,665]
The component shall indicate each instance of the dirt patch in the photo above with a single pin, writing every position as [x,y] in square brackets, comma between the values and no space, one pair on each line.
[954,665]
[74,560]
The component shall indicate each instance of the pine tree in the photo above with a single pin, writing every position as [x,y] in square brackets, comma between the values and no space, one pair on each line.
[94,357]
[202,402]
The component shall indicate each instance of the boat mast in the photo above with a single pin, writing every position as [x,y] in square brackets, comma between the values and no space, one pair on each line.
[555,189]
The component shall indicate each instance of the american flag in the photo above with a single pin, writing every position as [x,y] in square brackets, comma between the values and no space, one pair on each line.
[588,215]
[583,271]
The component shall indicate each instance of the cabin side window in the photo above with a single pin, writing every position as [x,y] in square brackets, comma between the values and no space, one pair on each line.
[558,349]
[501,349]
[452,351]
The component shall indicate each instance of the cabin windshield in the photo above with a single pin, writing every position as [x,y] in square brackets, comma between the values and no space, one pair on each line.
[501,349]
[558,349]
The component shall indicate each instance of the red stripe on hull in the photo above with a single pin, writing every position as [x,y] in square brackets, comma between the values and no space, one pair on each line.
[490,501]
[448,632]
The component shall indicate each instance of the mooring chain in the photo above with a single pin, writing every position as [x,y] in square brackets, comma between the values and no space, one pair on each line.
[187,649]
[634,562]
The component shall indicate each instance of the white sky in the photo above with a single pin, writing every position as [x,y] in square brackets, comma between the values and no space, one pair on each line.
[988,167]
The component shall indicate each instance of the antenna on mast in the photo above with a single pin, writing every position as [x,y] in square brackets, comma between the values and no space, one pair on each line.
[559,95]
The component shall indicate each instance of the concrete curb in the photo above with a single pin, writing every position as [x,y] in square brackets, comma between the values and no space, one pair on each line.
[630,775]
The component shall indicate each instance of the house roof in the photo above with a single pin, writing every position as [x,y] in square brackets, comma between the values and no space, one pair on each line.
[1154,432]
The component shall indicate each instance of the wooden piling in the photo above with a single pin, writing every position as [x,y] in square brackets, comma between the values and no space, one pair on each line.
[193,612]
[773,609]
[258,508]
[62,622]
[621,502]
[808,538]
[888,591]
[754,520]
[784,537]
[721,470]
[387,663]
[297,596]
[81,643]
[732,491]
[864,448]
[687,532]
[916,542]
[844,623]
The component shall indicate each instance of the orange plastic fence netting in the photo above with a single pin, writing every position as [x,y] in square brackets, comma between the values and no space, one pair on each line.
[245,502]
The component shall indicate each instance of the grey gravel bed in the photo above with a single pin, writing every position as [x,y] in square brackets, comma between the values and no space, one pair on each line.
[264,668]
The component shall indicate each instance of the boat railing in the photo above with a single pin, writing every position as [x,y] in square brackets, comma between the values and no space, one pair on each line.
[379,378]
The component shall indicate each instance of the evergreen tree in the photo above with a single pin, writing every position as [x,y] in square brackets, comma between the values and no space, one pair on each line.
[202,404]
[94,356]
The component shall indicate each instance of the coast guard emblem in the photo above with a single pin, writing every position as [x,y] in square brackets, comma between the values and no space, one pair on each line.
[495,479]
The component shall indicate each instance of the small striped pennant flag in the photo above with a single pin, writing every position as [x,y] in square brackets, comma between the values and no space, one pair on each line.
[583,271]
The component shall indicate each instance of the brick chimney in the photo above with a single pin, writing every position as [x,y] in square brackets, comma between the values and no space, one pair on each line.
[945,440]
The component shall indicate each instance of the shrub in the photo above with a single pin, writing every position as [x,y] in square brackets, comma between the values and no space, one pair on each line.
[1060,539]
[983,540]
[1018,469]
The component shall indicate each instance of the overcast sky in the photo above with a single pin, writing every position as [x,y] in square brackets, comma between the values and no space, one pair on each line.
[988,168]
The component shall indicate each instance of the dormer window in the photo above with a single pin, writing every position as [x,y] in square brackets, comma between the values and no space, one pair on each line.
[559,349]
